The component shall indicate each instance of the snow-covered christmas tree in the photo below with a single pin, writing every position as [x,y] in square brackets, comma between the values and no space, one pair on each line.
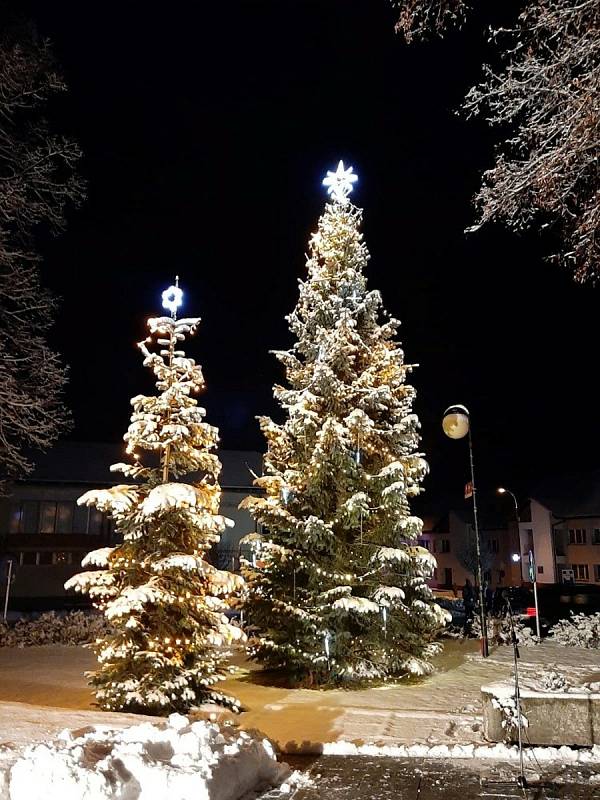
[337,584]
[163,598]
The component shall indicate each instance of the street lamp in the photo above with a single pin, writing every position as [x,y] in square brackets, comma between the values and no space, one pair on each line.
[457,424]
[532,568]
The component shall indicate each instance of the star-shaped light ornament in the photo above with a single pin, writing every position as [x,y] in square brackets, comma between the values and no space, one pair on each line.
[172,298]
[339,183]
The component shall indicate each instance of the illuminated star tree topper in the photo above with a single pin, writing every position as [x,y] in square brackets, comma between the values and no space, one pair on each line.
[339,183]
[172,298]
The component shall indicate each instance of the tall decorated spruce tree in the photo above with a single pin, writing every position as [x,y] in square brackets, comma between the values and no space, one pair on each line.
[337,589]
[164,601]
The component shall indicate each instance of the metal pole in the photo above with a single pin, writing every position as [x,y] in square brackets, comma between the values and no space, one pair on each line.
[537,608]
[516,656]
[534,575]
[8,579]
[484,636]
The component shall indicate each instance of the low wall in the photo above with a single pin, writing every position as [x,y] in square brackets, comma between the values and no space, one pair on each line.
[554,718]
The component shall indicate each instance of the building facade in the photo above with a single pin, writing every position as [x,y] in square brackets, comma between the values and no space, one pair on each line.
[451,539]
[46,534]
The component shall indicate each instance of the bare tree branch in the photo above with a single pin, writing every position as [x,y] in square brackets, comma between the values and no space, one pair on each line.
[37,182]
[420,18]
[547,96]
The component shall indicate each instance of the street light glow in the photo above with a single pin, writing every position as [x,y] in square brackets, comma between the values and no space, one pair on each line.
[501,490]
[516,557]
[456,422]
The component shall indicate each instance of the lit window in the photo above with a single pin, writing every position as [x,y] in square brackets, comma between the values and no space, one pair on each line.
[61,558]
[15,523]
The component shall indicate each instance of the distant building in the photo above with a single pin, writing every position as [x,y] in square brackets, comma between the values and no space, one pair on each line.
[560,524]
[451,539]
[47,534]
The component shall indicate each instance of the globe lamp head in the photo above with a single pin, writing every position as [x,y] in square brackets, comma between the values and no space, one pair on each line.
[456,422]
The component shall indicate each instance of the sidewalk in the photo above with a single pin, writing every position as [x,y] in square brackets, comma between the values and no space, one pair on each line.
[444,708]
[43,690]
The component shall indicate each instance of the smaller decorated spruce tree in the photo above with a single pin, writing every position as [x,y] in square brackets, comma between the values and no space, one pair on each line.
[164,600]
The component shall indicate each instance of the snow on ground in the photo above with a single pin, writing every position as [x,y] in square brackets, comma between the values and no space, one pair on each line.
[489,752]
[175,759]
[444,709]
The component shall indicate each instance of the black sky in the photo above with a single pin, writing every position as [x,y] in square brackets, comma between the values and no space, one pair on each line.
[207,128]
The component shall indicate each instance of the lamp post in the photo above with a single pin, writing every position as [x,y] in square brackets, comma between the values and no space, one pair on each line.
[532,567]
[457,424]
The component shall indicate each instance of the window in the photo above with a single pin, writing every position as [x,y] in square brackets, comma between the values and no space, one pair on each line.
[426,543]
[61,557]
[23,517]
[577,535]
[28,558]
[597,572]
[15,522]
[47,517]
[581,571]
[540,570]
[44,557]
[95,522]
[435,574]
[445,543]
[493,546]
[596,536]
[64,517]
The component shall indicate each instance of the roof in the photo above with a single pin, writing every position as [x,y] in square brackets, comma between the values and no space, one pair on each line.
[89,462]
[574,495]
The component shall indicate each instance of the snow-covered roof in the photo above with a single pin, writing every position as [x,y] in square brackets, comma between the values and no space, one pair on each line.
[89,462]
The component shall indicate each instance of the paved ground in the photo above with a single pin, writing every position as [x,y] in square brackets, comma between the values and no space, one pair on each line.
[445,708]
[360,778]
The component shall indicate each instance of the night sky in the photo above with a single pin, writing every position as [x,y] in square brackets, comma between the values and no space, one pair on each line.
[207,128]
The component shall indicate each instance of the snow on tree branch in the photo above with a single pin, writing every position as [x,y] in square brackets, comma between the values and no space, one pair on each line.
[420,18]
[548,93]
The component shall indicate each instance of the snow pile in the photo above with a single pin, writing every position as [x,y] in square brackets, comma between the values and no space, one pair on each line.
[580,630]
[495,752]
[73,628]
[499,630]
[175,759]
